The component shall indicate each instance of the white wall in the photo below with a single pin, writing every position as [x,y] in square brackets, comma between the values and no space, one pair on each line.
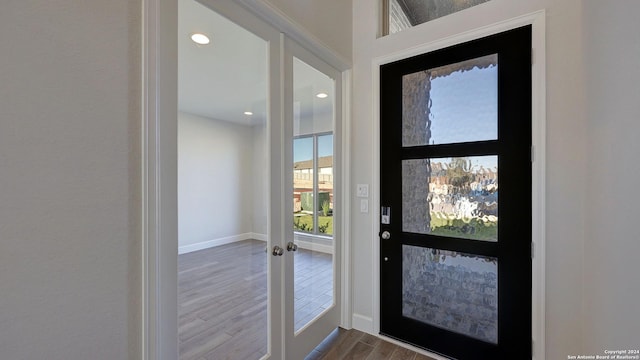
[259,176]
[70,179]
[566,142]
[327,20]
[611,281]
[215,180]
[70,159]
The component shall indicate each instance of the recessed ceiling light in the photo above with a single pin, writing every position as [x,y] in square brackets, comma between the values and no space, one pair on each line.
[200,38]
[321,95]
[249,113]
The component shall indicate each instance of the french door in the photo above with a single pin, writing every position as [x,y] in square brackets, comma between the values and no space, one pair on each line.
[455,227]
[299,99]
[313,93]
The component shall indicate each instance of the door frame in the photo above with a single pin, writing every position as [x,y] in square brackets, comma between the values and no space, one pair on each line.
[158,194]
[537,21]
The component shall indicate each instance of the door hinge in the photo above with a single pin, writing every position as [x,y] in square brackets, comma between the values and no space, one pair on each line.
[533,153]
[532,57]
[533,348]
[533,250]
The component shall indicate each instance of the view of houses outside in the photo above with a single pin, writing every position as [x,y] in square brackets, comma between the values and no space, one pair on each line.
[305,204]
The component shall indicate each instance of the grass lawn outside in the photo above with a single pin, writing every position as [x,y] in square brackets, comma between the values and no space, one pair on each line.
[472,228]
[304,222]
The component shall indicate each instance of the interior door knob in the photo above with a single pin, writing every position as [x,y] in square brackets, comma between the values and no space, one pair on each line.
[277,251]
[385,235]
[291,246]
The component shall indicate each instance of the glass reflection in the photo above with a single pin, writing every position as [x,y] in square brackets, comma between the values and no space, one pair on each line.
[313,270]
[303,178]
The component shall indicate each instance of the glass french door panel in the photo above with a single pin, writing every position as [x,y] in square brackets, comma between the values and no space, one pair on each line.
[451,104]
[451,290]
[453,197]
[313,119]
[224,296]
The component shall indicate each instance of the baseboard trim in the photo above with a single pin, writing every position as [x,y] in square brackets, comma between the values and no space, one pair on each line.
[362,323]
[220,241]
[256,236]
[321,244]
[315,247]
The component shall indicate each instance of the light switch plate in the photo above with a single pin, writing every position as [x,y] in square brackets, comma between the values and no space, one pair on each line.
[362,190]
[364,206]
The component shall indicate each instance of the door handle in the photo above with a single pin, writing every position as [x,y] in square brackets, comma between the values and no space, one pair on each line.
[385,235]
[291,246]
[277,251]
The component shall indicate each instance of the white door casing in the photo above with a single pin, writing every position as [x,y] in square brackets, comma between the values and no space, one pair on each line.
[159,163]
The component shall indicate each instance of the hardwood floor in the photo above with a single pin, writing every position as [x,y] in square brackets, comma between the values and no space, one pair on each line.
[222,302]
[353,344]
[222,306]
[313,285]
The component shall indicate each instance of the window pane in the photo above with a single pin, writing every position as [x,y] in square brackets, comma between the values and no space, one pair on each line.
[455,197]
[451,290]
[325,184]
[403,14]
[451,104]
[303,184]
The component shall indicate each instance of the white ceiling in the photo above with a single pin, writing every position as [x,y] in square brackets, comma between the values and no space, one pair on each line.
[228,76]
[225,78]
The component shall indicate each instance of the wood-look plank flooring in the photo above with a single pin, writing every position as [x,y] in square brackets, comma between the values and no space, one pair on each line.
[222,298]
[222,302]
[222,306]
[353,344]
[313,285]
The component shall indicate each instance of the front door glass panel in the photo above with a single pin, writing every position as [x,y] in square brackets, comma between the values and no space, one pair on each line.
[451,290]
[455,197]
[452,103]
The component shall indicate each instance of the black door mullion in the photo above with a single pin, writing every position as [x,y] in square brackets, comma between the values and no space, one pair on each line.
[477,148]
[476,247]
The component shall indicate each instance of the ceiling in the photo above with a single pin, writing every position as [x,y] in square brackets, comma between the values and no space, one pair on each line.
[225,78]
[228,76]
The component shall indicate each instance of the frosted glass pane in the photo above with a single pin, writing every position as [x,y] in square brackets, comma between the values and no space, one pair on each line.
[450,290]
[408,13]
[455,197]
[451,104]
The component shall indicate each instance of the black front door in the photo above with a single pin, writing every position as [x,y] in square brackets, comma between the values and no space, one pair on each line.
[455,227]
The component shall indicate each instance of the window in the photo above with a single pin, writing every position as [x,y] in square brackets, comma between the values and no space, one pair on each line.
[403,14]
[313,184]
